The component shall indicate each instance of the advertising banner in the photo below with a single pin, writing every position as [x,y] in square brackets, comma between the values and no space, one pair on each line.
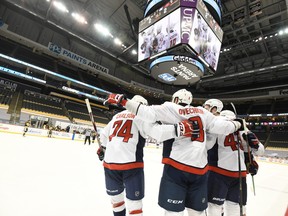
[76,58]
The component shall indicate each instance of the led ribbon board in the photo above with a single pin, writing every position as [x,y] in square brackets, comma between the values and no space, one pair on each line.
[159,14]
[152,4]
[214,7]
[177,70]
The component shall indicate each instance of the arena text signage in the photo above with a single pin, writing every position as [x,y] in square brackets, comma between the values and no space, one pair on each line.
[177,70]
[76,58]
[283,92]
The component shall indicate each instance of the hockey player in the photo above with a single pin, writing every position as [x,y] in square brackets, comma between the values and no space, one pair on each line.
[94,134]
[252,146]
[122,141]
[50,130]
[214,106]
[184,180]
[26,126]
[87,136]
[223,180]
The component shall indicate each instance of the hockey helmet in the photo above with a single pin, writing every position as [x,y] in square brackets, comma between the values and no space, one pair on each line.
[182,96]
[140,99]
[228,114]
[214,103]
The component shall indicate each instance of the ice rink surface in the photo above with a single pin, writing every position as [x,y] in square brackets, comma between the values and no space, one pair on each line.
[53,177]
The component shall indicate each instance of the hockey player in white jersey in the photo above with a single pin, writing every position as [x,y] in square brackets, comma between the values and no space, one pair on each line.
[223,180]
[184,181]
[252,146]
[215,106]
[122,142]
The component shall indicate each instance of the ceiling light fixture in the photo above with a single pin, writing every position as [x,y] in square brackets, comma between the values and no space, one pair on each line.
[105,31]
[117,41]
[79,18]
[134,52]
[60,6]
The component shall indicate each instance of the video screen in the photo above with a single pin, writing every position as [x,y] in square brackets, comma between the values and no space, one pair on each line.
[204,41]
[201,7]
[159,14]
[160,36]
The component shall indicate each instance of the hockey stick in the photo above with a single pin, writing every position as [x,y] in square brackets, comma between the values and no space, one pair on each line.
[248,149]
[239,168]
[92,120]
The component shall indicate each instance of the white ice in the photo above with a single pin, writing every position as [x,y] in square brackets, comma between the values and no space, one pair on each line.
[53,177]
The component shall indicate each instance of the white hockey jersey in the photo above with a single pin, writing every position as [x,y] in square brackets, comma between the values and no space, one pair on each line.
[124,139]
[223,156]
[184,153]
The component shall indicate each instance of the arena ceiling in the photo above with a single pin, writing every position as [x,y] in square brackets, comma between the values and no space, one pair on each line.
[254,56]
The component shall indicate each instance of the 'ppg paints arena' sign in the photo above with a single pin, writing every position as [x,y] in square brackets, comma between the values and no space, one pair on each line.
[76,58]
[177,70]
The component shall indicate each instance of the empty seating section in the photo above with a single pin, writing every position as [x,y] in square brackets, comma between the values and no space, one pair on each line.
[262,136]
[278,139]
[260,109]
[42,103]
[79,111]
[281,107]
[242,109]
[5,96]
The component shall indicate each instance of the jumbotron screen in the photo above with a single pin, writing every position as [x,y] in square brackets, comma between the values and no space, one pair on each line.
[204,41]
[160,36]
[191,24]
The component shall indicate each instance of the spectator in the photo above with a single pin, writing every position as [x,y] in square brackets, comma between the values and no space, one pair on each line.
[87,136]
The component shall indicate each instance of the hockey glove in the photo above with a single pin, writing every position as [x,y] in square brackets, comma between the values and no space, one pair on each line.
[187,128]
[183,128]
[252,140]
[239,124]
[252,167]
[101,153]
[118,99]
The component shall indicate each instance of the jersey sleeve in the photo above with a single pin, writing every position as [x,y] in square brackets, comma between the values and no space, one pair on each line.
[149,113]
[104,135]
[160,132]
[219,125]
[260,151]
[211,140]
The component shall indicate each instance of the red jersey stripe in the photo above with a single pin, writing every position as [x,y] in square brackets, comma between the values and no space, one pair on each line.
[234,174]
[127,166]
[186,168]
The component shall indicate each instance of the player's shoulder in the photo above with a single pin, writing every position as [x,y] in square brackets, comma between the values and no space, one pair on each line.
[124,114]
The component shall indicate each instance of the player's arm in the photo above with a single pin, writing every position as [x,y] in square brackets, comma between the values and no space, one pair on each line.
[219,125]
[251,164]
[104,138]
[256,146]
[162,132]
[104,135]
[146,113]
[210,140]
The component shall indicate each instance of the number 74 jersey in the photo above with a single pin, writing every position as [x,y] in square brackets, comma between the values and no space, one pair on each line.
[124,138]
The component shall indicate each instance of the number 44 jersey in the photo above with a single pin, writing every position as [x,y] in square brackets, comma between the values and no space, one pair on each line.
[223,156]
